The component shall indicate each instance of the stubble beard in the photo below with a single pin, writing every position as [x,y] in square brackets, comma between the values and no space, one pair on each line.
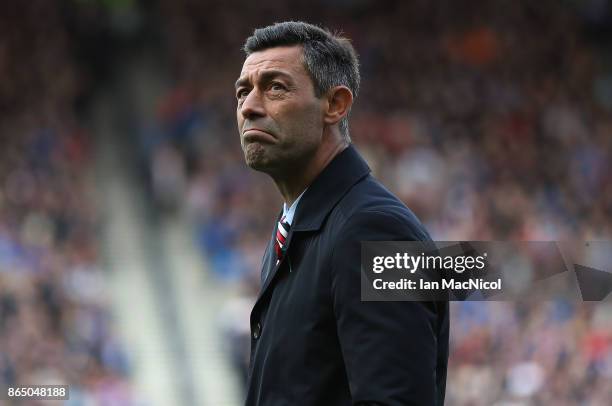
[255,156]
[264,158]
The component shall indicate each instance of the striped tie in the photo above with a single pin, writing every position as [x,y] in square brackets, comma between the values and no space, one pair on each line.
[282,231]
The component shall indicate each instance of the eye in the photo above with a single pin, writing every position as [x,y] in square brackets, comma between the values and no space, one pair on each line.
[277,86]
[242,93]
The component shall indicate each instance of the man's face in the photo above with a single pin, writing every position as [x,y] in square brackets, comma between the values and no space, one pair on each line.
[280,119]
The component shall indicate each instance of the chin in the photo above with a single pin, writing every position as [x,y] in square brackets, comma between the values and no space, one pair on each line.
[255,157]
[256,165]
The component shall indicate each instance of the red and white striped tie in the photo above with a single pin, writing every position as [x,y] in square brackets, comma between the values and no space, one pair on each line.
[282,231]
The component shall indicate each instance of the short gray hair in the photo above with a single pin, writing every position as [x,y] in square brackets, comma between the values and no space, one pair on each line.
[329,59]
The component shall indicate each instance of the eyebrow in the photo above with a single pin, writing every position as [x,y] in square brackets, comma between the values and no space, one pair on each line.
[265,76]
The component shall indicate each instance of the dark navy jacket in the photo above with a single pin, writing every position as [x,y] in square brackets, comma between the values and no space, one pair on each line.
[313,341]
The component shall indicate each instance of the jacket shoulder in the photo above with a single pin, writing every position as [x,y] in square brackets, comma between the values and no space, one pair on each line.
[370,209]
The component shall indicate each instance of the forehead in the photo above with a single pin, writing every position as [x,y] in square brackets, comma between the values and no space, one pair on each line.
[286,58]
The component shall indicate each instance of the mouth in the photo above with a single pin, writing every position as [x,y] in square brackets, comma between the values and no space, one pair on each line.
[257,135]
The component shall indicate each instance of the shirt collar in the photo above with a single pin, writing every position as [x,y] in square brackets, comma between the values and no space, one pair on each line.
[288,213]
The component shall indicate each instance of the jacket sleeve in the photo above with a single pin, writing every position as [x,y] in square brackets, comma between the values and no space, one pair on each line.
[389,348]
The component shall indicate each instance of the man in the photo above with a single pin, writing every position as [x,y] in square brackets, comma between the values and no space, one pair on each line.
[313,341]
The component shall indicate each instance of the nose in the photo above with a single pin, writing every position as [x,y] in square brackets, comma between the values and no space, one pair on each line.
[252,106]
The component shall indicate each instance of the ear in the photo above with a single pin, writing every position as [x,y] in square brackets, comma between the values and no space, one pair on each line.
[339,101]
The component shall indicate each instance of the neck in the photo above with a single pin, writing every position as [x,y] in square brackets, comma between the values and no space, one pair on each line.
[292,185]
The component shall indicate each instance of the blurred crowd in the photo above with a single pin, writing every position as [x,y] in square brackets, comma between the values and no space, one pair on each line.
[55,322]
[491,120]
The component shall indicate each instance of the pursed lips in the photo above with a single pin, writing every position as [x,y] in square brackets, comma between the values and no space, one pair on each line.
[257,135]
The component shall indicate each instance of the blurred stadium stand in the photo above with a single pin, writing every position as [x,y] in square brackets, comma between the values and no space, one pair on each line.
[131,232]
[56,323]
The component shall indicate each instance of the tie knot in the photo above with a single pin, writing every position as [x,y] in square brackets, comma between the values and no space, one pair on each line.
[283,227]
[284,222]
[282,232]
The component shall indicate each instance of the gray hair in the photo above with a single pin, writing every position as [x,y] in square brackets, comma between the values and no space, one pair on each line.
[329,59]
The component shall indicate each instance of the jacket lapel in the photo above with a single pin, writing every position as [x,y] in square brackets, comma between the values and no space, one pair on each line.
[266,265]
[269,261]
[270,267]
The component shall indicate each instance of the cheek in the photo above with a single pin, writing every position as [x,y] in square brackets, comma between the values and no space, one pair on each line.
[239,119]
[240,122]
[311,122]
[303,120]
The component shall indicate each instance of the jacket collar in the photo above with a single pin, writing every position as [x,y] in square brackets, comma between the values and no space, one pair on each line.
[322,195]
[328,188]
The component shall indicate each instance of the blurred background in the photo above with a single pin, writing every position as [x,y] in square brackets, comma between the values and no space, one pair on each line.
[131,232]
